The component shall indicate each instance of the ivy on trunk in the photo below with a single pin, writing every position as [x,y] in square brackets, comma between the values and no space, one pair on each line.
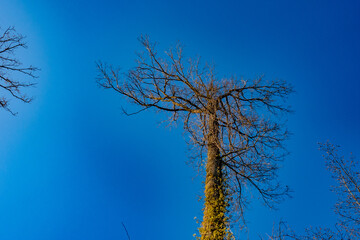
[233,124]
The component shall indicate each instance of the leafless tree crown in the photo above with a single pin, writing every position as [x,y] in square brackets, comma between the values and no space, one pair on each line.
[11,69]
[347,175]
[250,139]
[284,232]
[345,171]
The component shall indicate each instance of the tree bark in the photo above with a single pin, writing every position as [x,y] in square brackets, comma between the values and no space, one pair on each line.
[214,220]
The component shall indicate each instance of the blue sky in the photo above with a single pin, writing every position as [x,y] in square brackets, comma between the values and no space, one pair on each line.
[73,167]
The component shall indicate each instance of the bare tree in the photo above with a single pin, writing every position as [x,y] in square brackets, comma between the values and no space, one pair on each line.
[346,173]
[11,69]
[233,125]
[284,232]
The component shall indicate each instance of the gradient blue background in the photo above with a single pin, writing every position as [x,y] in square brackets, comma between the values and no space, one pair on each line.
[73,167]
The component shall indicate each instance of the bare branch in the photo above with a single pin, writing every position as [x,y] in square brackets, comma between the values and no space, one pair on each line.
[347,175]
[10,41]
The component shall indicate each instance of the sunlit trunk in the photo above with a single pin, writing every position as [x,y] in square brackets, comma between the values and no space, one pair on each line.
[214,221]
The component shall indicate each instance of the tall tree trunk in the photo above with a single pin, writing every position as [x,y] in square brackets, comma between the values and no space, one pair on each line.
[214,220]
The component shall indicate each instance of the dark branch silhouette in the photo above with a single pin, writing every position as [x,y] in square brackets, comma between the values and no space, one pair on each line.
[127,234]
[11,69]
